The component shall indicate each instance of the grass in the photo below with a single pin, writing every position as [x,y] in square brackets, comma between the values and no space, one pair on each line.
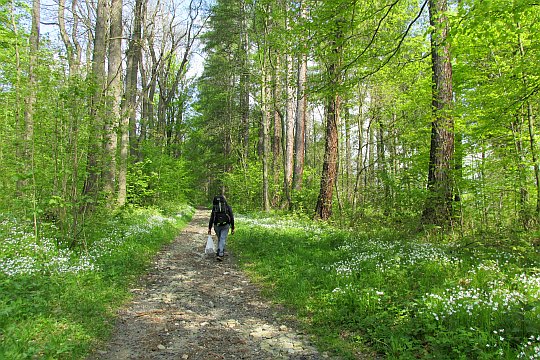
[395,295]
[57,303]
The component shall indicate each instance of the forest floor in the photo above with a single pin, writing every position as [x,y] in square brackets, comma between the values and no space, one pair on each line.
[190,306]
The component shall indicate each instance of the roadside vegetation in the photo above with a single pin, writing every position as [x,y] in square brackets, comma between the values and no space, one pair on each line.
[399,295]
[56,302]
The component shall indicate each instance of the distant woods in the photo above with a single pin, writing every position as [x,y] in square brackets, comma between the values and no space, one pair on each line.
[400,111]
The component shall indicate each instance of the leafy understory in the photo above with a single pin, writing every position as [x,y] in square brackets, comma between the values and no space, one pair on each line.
[57,301]
[400,296]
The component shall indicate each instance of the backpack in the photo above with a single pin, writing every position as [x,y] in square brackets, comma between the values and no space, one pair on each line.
[221,216]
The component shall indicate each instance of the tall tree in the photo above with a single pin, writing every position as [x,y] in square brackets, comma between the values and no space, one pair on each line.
[128,139]
[288,155]
[114,97]
[96,106]
[438,209]
[301,111]
[329,174]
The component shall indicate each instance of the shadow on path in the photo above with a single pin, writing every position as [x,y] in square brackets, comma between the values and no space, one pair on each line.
[189,306]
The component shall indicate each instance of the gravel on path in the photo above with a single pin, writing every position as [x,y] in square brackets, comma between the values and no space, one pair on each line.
[190,306]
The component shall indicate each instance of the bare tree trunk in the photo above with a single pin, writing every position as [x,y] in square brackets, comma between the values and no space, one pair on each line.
[244,81]
[289,134]
[114,89]
[31,98]
[329,174]
[128,125]
[32,85]
[277,138]
[288,155]
[300,135]
[135,56]
[65,38]
[438,209]
[266,114]
[98,75]
[301,111]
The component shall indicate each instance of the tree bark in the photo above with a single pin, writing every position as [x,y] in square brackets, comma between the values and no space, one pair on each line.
[323,210]
[31,98]
[329,174]
[300,135]
[288,158]
[438,209]
[98,76]
[114,90]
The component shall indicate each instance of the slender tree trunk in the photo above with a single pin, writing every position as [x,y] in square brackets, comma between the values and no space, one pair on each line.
[31,99]
[329,174]
[65,37]
[438,209]
[301,111]
[114,89]
[77,48]
[289,134]
[266,114]
[98,76]
[134,55]
[128,139]
[358,197]
[300,134]
[517,132]
[288,155]
[278,120]
[244,81]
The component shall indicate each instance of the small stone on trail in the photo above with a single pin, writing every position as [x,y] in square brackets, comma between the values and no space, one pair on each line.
[161,347]
[185,356]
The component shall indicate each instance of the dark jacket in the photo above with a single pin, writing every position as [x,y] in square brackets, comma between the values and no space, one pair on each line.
[228,210]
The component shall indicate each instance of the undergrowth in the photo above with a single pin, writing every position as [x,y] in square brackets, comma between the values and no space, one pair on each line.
[58,302]
[400,296]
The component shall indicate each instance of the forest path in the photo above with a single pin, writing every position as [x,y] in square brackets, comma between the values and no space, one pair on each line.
[190,306]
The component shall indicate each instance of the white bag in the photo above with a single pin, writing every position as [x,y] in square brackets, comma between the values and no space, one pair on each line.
[209,249]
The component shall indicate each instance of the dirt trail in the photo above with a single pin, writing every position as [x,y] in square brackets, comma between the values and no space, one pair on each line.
[191,306]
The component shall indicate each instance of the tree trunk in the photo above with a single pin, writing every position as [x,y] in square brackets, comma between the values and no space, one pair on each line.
[301,111]
[31,98]
[65,38]
[323,210]
[135,55]
[98,76]
[438,209]
[277,138]
[114,89]
[244,81]
[266,114]
[300,135]
[128,139]
[329,174]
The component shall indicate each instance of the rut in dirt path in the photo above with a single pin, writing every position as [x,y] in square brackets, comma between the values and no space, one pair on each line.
[190,306]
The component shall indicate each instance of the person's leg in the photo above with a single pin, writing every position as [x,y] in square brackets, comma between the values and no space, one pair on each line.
[222,232]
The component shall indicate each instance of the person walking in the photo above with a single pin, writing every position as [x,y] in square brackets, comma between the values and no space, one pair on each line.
[222,219]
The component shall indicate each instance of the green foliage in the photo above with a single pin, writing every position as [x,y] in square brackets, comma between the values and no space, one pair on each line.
[57,303]
[399,295]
